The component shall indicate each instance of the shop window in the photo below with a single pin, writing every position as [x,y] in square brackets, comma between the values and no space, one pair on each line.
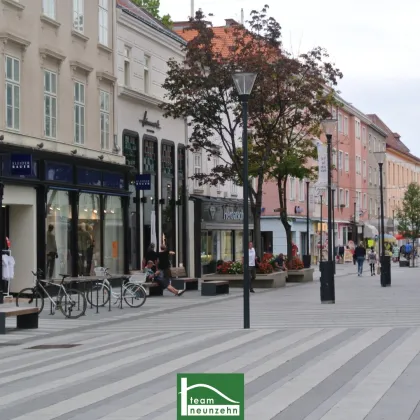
[59,172]
[89,177]
[226,245]
[168,195]
[57,241]
[113,234]
[239,238]
[6,167]
[113,180]
[89,234]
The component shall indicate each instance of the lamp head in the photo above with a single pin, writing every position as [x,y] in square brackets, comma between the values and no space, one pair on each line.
[380,157]
[329,126]
[244,82]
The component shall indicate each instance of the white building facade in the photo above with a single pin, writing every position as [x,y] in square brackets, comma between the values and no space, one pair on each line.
[153,145]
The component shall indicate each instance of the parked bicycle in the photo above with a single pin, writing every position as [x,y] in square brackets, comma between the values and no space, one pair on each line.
[71,302]
[133,293]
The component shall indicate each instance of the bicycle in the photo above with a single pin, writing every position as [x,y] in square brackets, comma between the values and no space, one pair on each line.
[134,294]
[67,300]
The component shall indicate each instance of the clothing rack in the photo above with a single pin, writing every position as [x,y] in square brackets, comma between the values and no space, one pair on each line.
[9,253]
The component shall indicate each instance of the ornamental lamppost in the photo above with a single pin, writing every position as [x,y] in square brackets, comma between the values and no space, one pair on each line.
[385,259]
[244,82]
[327,269]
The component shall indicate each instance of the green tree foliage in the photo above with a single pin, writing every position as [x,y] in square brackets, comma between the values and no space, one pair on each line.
[408,215]
[286,92]
[153,6]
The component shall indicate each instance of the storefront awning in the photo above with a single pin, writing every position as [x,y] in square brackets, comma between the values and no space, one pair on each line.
[370,231]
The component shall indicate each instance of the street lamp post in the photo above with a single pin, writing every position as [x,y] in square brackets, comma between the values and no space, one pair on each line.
[385,259]
[327,268]
[307,257]
[244,82]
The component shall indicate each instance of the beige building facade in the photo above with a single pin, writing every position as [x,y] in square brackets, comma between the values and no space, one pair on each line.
[61,157]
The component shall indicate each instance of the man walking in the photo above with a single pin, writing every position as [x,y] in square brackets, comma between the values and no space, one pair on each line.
[360,255]
[252,267]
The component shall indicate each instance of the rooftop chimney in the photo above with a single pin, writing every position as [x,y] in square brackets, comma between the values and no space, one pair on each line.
[231,22]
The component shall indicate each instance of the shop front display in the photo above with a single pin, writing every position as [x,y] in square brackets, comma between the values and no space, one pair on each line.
[220,232]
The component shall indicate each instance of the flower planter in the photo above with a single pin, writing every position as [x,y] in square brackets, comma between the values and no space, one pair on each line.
[263,281]
[305,275]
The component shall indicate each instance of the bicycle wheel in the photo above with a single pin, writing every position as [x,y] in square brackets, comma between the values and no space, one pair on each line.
[30,298]
[73,303]
[98,295]
[134,295]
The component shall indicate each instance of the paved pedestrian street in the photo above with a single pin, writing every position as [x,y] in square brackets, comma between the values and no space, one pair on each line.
[357,359]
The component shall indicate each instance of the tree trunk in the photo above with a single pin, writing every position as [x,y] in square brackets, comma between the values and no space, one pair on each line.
[281,184]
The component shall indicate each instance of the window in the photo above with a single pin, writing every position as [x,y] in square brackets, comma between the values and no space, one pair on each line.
[48,8]
[370,206]
[341,197]
[292,192]
[370,175]
[146,74]
[334,157]
[127,72]
[78,19]
[79,113]
[347,198]
[364,136]
[346,162]
[364,201]
[370,142]
[340,122]
[301,190]
[197,169]
[375,145]
[234,188]
[12,93]
[103,22]
[357,129]
[375,176]
[346,126]
[50,104]
[364,169]
[104,118]
[358,165]
[340,159]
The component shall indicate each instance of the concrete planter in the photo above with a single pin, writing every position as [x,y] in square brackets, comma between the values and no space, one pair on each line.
[305,275]
[263,281]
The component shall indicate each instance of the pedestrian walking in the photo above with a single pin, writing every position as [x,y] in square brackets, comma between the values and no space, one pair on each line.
[372,257]
[252,266]
[360,256]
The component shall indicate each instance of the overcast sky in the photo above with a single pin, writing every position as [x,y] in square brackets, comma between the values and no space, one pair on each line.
[374,42]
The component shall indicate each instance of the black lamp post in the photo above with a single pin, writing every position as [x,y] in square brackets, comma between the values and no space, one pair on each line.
[307,257]
[327,267]
[385,259]
[244,82]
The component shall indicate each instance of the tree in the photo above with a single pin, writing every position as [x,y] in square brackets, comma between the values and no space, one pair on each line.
[200,89]
[307,98]
[153,6]
[408,215]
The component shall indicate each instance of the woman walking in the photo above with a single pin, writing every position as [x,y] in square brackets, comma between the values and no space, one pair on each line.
[372,261]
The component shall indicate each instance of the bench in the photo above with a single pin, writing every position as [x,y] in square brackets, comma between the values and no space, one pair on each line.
[185,284]
[26,318]
[153,289]
[213,288]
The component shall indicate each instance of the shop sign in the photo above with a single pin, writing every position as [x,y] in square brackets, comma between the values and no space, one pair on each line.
[233,215]
[20,165]
[143,182]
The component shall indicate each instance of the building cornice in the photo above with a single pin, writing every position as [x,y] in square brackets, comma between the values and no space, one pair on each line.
[6,37]
[404,156]
[139,96]
[138,25]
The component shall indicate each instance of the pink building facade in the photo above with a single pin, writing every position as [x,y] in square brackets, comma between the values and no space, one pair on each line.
[351,194]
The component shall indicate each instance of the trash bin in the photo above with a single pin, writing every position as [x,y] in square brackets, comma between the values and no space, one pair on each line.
[327,287]
[385,271]
[306,259]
